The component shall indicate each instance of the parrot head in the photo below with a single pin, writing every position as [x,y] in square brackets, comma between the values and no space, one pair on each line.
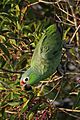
[29,78]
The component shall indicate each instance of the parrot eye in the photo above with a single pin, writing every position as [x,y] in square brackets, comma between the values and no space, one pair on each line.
[27,79]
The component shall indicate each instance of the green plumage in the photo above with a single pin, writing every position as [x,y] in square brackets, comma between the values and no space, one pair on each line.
[46,57]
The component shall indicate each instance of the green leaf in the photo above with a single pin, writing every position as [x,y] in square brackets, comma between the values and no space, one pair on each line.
[8,44]
[12,41]
[65,34]
[1,87]
[2,62]
[18,26]
[48,94]
[4,49]
[13,103]
[31,116]
[5,17]
[22,62]
[25,106]
[2,37]
[77,102]
[34,108]
[12,117]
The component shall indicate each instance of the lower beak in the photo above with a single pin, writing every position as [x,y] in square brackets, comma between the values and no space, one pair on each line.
[27,87]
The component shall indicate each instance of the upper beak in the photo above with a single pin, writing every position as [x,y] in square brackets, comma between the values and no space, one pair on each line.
[22,83]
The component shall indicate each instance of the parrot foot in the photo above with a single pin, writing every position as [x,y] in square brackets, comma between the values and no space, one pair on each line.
[60,70]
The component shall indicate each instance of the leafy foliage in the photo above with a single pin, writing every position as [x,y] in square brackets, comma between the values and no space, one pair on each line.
[21,25]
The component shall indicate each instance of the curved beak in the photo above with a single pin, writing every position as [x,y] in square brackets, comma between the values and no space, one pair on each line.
[22,83]
[25,86]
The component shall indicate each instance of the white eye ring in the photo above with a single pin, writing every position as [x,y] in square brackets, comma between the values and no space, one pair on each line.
[26,79]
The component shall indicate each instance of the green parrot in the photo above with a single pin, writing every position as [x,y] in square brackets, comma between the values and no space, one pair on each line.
[46,57]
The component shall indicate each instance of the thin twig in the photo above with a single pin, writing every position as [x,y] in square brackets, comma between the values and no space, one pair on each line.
[53,3]
[56,95]
[66,12]
[32,4]
[52,89]
[58,17]
[72,73]
[70,110]
[50,81]
[76,26]
[10,112]
[74,33]
[72,23]
[5,85]
[67,112]
[64,23]
[9,71]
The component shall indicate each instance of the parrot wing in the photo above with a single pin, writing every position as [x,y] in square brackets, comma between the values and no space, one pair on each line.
[47,51]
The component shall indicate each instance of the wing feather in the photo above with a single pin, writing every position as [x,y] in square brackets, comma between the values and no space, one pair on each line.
[47,50]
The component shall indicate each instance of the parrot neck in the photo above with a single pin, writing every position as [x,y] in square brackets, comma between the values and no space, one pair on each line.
[34,75]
